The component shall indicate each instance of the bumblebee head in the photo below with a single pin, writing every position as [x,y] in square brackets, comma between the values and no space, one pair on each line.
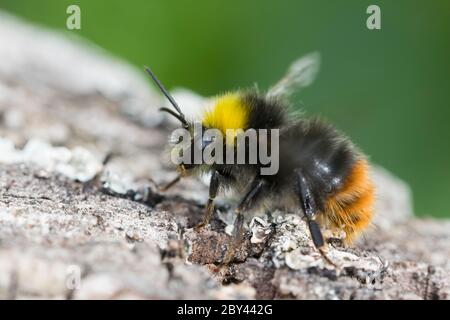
[188,146]
[228,112]
[194,141]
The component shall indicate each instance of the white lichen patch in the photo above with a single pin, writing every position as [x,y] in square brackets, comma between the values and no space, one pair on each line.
[292,246]
[77,164]
[260,229]
[291,232]
[116,183]
[235,291]
[297,260]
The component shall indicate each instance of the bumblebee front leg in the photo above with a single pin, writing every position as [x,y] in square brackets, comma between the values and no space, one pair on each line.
[238,229]
[170,184]
[209,209]
[181,173]
[310,210]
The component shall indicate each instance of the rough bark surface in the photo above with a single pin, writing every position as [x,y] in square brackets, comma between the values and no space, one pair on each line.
[71,227]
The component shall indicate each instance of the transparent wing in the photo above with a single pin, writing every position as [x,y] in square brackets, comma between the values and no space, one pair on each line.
[300,74]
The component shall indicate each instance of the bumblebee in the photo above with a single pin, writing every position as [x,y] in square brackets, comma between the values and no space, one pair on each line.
[322,174]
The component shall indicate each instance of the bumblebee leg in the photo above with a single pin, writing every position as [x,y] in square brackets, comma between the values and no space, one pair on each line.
[209,209]
[108,158]
[170,184]
[238,229]
[309,207]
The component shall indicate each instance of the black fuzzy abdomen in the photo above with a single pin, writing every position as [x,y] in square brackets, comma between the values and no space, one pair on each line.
[320,152]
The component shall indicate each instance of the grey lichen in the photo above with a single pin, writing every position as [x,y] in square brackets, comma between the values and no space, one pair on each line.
[77,164]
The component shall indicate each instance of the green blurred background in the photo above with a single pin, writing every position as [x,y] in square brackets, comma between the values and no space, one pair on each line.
[388,89]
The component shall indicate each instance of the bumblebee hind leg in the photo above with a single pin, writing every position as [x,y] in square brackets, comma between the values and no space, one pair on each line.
[309,206]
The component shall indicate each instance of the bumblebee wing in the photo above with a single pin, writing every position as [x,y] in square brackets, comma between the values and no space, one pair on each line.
[300,74]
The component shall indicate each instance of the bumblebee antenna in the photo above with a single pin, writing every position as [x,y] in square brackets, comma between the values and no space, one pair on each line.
[173,113]
[180,116]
